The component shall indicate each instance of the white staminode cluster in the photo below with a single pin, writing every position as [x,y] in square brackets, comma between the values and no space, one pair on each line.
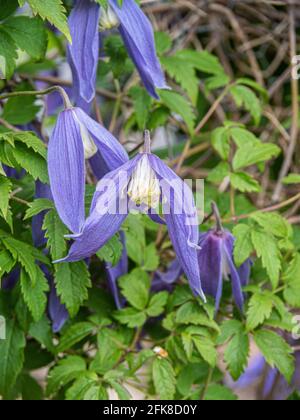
[108,19]
[144,186]
[89,147]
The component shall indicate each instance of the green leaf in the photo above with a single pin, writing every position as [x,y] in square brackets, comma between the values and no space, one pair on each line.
[109,351]
[29,35]
[122,392]
[157,304]
[135,288]
[184,74]
[5,190]
[267,249]
[41,331]
[191,313]
[131,317]
[273,223]
[142,105]
[244,96]
[151,260]
[64,372]
[30,388]
[135,239]
[244,182]
[250,154]
[55,231]
[38,206]
[111,252]
[179,105]
[33,163]
[164,378]
[292,279]
[163,42]
[203,61]
[217,392]
[72,283]
[276,352]
[206,349]
[238,347]
[26,256]
[8,54]
[7,262]
[81,386]
[8,7]
[96,393]
[219,173]
[11,356]
[54,12]
[291,179]
[35,293]
[74,334]
[260,308]
[243,247]
[220,141]
[20,110]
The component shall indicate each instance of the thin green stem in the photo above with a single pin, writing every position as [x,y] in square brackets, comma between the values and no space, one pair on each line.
[65,97]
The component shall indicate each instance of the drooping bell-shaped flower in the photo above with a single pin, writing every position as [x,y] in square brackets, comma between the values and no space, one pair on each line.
[141,184]
[86,19]
[217,264]
[77,137]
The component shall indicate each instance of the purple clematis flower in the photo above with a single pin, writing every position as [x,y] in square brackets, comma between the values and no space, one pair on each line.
[77,137]
[217,262]
[143,184]
[86,19]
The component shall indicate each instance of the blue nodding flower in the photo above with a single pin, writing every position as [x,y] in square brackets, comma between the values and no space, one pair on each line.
[86,19]
[143,184]
[217,263]
[77,137]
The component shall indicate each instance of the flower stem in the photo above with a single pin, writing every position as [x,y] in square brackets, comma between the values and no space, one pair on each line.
[65,97]
[147,142]
[217,215]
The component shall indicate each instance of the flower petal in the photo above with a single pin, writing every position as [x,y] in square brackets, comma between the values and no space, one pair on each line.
[83,54]
[210,264]
[164,280]
[112,152]
[57,311]
[67,170]
[137,33]
[235,278]
[108,211]
[181,218]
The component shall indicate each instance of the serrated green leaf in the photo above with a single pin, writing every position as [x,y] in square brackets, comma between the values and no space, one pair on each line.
[179,105]
[35,293]
[109,351]
[206,349]
[267,249]
[243,247]
[260,308]
[5,190]
[244,182]
[203,61]
[244,96]
[74,334]
[11,356]
[29,34]
[135,288]
[54,232]
[157,304]
[72,283]
[64,372]
[250,154]
[54,12]
[8,54]
[131,317]
[163,378]
[217,392]
[219,173]
[291,179]
[292,279]
[220,141]
[276,352]
[38,206]
[111,252]
[142,105]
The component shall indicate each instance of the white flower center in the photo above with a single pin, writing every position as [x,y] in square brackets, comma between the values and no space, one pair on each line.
[108,19]
[89,147]
[144,186]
